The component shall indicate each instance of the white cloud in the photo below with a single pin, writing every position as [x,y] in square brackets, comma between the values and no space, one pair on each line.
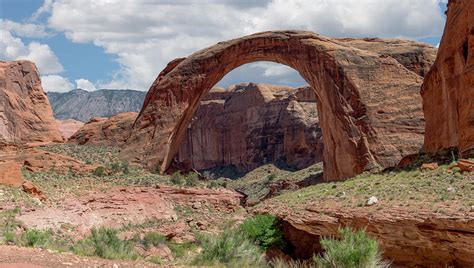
[146,35]
[45,8]
[56,83]
[85,84]
[13,48]
[24,29]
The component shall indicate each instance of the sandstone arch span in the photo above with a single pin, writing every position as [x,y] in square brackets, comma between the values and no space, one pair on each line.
[359,94]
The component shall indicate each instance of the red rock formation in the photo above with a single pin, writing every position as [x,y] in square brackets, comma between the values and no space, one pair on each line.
[111,131]
[369,104]
[25,113]
[448,88]
[10,173]
[249,125]
[416,57]
[422,239]
[69,126]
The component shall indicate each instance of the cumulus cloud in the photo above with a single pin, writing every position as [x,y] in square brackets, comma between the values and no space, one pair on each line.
[56,83]
[24,29]
[13,48]
[85,84]
[145,35]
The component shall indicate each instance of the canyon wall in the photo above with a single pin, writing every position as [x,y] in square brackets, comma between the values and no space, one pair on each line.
[25,112]
[448,88]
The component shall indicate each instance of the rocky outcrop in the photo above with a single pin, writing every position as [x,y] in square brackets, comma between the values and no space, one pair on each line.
[83,105]
[416,57]
[421,239]
[448,88]
[369,106]
[249,125]
[10,173]
[69,126]
[111,131]
[25,113]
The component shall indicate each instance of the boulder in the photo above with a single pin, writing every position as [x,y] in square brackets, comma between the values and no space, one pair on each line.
[447,90]
[111,131]
[25,112]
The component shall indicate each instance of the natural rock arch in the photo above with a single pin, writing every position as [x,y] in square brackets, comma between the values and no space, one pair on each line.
[359,94]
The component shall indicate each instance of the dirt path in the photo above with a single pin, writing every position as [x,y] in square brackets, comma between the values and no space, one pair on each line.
[17,257]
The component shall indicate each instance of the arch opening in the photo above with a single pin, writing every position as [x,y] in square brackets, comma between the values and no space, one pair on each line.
[266,114]
[355,98]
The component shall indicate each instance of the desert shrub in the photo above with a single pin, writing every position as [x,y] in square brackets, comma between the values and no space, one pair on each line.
[213,184]
[354,250]
[192,179]
[264,230]
[99,171]
[36,238]
[125,167]
[271,177]
[153,239]
[177,178]
[105,243]
[230,248]
[180,249]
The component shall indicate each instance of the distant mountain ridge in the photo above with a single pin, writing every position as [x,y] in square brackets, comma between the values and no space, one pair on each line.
[82,105]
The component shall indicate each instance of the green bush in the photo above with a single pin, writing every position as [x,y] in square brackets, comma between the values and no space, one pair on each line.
[230,248]
[213,184]
[264,230]
[177,178]
[105,243]
[354,250]
[99,171]
[36,238]
[271,177]
[192,179]
[153,239]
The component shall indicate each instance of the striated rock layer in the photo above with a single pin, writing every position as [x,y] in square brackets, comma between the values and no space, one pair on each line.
[25,113]
[111,131]
[448,88]
[424,239]
[249,125]
[368,104]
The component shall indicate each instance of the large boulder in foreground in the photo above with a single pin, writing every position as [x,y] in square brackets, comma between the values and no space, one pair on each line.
[112,131]
[448,89]
[249,125]
[25,113]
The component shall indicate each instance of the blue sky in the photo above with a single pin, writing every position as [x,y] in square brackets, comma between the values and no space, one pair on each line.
[125,44]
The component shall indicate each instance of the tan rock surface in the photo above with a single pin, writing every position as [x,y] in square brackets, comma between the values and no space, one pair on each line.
[370,108]
[111,131]
[25,112]
[10,173]
[249,125]
[69,126]
[448,88]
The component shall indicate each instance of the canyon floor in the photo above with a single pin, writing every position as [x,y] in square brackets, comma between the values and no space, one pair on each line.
[179,208]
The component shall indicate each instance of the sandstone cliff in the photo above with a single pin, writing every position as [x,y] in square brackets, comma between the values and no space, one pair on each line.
[111,131]
[448,88]
[369,105]
[249,125]
[25,112]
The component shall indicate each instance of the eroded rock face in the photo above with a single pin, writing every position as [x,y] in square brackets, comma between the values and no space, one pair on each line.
[25,113]
[370,108]
[423,239]
[448,88]
[416,57]
[68,127]
[249,125]
[111,131]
